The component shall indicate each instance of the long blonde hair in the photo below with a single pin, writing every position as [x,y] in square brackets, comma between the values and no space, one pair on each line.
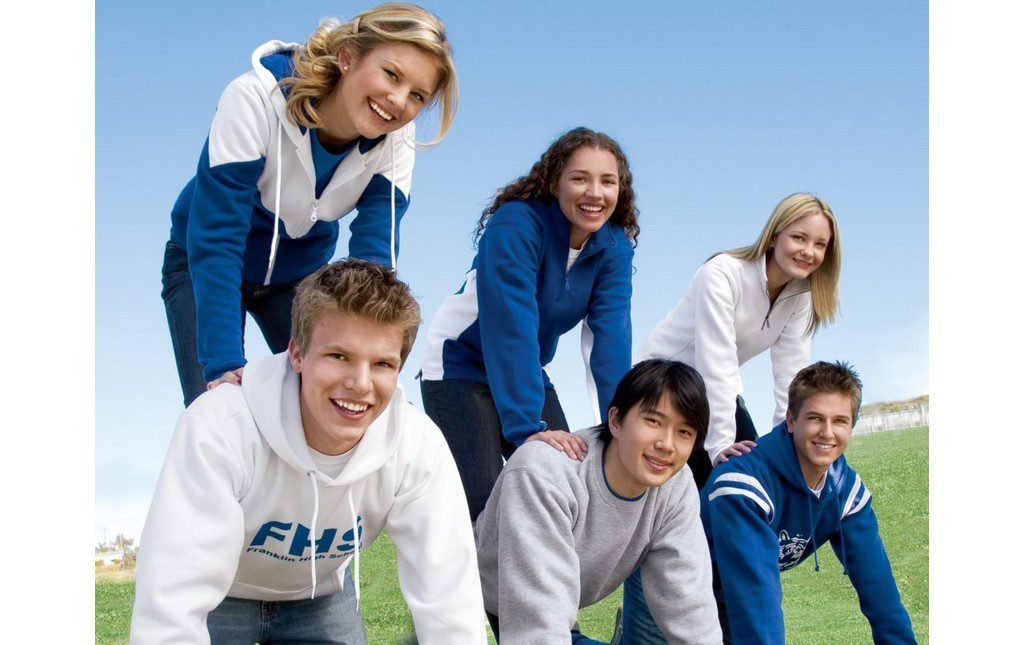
[316,63]
[825,279]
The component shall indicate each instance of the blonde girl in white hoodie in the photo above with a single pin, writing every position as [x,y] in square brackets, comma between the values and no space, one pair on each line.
[772,295]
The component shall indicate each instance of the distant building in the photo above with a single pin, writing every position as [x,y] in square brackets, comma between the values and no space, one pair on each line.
[893,415]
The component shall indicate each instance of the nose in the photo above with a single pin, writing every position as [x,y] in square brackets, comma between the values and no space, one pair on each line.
[827,431]
[664,443]
[593,190]
[397,98]
[358,378]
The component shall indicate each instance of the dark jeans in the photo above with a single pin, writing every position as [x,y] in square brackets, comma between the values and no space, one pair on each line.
[576,637]
[637,623]
[270,306]
[465,413]
[700,462]
[324,619]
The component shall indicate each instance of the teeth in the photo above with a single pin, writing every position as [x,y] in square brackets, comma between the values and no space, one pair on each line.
[380,111]
[351,407]
[591,209]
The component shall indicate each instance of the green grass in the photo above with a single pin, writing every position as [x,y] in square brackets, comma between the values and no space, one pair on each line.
[820,607]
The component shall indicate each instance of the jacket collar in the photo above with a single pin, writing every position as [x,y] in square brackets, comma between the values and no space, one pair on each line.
[603,239]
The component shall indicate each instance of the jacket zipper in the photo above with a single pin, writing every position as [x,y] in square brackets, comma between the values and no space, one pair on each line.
[771,306]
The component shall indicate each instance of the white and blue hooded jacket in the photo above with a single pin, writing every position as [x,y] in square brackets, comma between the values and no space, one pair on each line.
[254,211]
[761,518]
[502,326]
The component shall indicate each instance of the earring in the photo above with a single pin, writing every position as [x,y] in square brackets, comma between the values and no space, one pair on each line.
[345,68]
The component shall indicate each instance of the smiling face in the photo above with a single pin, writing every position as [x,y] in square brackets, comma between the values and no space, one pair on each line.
[647,447]
[821,431]
[381,92]
[799,249]
[347,377]
[587,192]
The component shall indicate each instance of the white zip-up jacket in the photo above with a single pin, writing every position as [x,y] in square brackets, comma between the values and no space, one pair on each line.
[239,500]
[723,320]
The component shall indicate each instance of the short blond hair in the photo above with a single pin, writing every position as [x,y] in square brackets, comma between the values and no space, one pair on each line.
[825,280]
[359,288]
[316,62]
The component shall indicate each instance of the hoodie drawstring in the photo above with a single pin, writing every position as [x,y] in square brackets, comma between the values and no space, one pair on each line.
[810,523]
[277,207]
[312,533]
[842,542]
[394,258]
[355,545]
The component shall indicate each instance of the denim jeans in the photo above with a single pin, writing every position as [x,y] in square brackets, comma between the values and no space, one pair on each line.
[700,462]
[325,619]
[465,413]
[575,636]
[637,623]
[270,306]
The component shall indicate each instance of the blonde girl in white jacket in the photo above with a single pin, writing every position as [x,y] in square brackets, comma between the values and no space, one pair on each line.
[774,295]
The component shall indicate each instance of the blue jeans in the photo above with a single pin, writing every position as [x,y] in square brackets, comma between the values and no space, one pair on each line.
[637,623]
[465,413]
[325,619]
[270,306]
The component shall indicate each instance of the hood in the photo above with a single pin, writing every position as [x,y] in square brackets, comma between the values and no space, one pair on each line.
[271,390]
[781,457]
[271,62]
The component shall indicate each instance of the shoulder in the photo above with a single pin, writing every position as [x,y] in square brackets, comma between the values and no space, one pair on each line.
[419,431]
[721,271]
[743,477]
[219,418]
[541,460]
[514,219]
[245,88]
[621,249]
[851,490]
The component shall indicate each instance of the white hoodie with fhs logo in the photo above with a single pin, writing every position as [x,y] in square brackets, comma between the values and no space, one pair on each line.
[239,498]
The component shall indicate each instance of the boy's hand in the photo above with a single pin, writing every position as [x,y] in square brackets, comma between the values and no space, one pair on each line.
[572,445]
[735,450]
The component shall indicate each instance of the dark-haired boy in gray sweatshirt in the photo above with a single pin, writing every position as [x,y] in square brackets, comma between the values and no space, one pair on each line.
[559,534]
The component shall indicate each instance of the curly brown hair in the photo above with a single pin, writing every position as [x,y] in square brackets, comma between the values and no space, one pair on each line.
[539,184]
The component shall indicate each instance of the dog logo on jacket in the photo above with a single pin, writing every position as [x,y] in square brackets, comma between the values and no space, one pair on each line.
[791,549]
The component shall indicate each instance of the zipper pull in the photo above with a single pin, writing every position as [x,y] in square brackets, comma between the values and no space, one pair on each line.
[313,210]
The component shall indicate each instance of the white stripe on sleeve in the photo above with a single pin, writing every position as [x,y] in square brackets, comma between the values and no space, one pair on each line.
[729,490]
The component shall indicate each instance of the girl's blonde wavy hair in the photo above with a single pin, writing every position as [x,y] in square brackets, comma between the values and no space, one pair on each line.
[825,279]
[316,63]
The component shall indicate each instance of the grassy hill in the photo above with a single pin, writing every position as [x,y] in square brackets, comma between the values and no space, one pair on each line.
[820,607]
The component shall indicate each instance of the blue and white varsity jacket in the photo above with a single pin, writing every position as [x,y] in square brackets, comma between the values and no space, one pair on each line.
[502,326]
[761,518]
[252,212]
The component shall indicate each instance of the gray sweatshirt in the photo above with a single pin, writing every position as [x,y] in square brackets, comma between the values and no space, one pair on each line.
[554,538]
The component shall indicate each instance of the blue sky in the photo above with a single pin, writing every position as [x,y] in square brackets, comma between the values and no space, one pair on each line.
[723,108]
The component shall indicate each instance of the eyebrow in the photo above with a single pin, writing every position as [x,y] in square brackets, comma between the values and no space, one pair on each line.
[606,174]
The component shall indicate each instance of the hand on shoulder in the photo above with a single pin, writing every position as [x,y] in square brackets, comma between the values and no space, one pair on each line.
[572,445]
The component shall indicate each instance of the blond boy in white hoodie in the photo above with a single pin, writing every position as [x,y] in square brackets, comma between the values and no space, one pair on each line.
[317,452]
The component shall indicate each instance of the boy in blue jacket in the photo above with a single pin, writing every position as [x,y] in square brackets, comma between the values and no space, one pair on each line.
[771,509]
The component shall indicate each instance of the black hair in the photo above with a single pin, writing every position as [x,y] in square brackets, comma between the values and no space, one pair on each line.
[648,380]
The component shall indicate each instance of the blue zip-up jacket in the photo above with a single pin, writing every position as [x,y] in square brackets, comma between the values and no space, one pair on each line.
[761,518]
[502,327]
[254,213]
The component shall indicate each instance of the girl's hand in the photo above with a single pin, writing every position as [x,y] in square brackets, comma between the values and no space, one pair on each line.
[572,445]
[234,376]
[735,450]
